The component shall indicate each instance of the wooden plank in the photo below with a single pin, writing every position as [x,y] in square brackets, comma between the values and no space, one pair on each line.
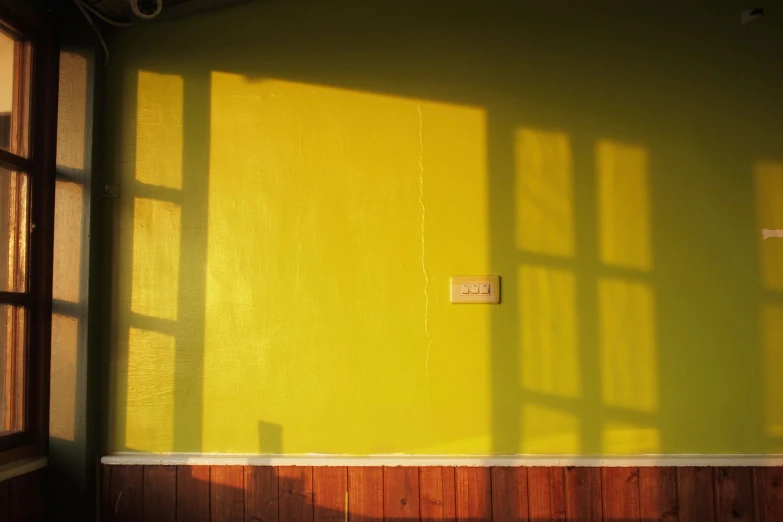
[295,493]
[160,493]
[105,513]
[620,494]
[734,494]
[127,494]
[401,493]
[436,494]
[695,494]
[557,482]
[365,494]
[226,493]
[25,497]
[261,494]
[474,497]
[769,493]
[330,490]
[509,494]
[658,494]
[583,494]
[449,493]
[193,493]
[539,494]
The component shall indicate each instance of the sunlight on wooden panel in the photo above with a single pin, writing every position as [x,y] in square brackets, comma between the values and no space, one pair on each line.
[772,345]
[150,399]
[626,439]
[159,130]
[155,272]
[629,368]
[64,378]
[768,178]
[72,111]
[623,205]
[544,192]
[68,231]
[549,334]
[548,431]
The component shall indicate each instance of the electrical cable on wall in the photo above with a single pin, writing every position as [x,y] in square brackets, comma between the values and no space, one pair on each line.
[102,16]
[87,9]
[86,14]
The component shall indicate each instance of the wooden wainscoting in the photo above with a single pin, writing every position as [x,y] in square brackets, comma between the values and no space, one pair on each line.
[22,498]
[502,494]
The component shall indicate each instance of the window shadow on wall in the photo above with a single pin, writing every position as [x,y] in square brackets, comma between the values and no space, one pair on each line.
[615,154]
[69,463]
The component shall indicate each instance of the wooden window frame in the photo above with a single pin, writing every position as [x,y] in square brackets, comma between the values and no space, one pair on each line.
[39,165]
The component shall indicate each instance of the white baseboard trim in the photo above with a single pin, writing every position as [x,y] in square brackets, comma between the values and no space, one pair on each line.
[227,459]
[15,469]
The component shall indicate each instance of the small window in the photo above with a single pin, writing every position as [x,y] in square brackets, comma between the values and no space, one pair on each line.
[14,231]
[28,94]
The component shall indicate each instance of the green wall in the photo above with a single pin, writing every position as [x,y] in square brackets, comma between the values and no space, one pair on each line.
[299,180]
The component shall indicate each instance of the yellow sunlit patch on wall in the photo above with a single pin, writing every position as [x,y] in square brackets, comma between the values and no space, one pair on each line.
[549,431]
[772,344]
[544,192]
[323,282]
[626,439]
[69,202]
[623,205]
[454,213]
[768,177]
[65,338]
[72,110]
[629,369]
[159,129]
[155,271]
[549,334]
[150,391]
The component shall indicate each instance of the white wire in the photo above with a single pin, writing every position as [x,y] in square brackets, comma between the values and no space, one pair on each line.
[103,17]
[135,8]
[97,32]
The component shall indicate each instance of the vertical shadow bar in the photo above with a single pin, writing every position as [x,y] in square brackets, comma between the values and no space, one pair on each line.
[114,268]
[504,334]
[189,359]
[587,255]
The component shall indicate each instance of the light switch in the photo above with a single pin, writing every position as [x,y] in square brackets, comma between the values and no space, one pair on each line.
[475,289]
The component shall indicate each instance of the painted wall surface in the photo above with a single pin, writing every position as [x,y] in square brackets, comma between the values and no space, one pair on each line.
[297,181]
[69,462]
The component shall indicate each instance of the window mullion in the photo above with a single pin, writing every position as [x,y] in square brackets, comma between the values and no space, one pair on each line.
[13,162]
[14,298]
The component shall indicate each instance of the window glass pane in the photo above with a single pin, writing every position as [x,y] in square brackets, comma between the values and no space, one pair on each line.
[14,94]
[13,334]
[14,226]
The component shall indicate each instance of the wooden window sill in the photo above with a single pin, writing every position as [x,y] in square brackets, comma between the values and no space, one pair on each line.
[21,467]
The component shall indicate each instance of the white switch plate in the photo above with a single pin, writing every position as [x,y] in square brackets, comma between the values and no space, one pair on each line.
[493,297]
